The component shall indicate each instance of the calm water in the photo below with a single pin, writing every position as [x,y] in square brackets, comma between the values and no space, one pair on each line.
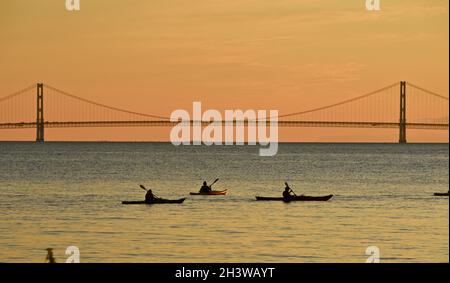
[62,194]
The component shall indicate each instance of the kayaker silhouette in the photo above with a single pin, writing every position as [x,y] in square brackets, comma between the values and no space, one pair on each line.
[49,258]
[205,188]
[288,192]
[149,195]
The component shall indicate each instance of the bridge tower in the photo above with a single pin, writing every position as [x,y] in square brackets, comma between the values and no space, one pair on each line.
[40,113]
[402,133]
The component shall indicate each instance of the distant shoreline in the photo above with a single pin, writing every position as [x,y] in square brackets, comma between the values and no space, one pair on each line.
[168,142]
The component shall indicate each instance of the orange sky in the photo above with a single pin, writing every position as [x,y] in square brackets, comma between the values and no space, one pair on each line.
[161,55]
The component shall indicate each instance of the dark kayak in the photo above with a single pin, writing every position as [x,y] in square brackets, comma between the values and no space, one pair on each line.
[296,198]
[441,194]
[211,193]
[156,201]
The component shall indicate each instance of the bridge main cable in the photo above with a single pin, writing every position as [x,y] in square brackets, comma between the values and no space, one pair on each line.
[103,105]
[339,103]
[428,91]
[17,93]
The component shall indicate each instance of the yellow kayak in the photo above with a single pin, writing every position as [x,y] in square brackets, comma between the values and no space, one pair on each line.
[211,193]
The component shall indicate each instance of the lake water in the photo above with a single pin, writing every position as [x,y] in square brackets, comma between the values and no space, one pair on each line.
[63,194]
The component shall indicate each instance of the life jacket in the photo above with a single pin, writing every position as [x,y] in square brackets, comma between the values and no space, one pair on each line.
[287,194]
[149,196]
[205,189]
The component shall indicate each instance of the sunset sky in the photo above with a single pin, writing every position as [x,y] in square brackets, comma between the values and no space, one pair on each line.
[161,55]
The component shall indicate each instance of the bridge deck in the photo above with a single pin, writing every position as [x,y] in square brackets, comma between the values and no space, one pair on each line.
[164,123]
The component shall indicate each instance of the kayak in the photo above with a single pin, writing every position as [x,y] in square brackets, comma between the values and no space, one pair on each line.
[211,193]
[156,201]
[441,194]
[296,198]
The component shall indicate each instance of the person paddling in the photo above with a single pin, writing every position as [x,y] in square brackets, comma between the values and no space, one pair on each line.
[288,192]
[149,196]
[205,188]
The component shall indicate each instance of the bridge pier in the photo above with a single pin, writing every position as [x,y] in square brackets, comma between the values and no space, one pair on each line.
[402,121]
[40,113]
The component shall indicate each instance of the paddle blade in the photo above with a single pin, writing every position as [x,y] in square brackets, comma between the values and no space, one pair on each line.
[214,182]
[143,187]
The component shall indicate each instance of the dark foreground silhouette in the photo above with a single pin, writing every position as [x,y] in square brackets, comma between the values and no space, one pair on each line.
[50,258]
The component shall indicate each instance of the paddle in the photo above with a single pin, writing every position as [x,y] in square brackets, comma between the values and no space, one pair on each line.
[290,188]
[145,189]
[214,182]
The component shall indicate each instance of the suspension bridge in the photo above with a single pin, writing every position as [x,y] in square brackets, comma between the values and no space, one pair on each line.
[401,105]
